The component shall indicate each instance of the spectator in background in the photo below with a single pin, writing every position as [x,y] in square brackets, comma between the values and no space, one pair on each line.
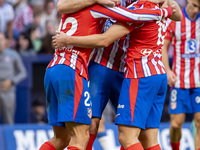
[37,18]
[35,35]
[48,14]
[25,46]
[58,18]
[6,20]
[34,30]
[12,72]
[47,46]
[37,5]
[23,16]
[38,112]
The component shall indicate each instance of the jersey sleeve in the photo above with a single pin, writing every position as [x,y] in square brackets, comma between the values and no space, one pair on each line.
[130,15]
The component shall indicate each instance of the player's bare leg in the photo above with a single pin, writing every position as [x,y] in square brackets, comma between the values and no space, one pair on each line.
[128,137]
[148,138]
[93,132]
[61,137]
[197,136]
[177,121]
[101,125]
[59,141]
[94,125]
[79,134]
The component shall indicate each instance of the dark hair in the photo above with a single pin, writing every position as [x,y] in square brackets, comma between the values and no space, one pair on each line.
[31,28]
[27,37]
[38,102]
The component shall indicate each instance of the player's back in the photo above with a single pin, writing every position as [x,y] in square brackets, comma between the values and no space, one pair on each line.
[76,24]
[89,21]
[144,50]
[113,56]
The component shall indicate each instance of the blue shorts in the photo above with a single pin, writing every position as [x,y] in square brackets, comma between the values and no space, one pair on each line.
[68,98]
[184,100]
[141,101]
[105,84]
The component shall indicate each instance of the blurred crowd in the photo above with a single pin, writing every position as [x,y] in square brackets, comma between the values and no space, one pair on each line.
[29,25]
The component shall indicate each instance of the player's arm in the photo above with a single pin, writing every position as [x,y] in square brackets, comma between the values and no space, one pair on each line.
[71,6]
[177,14]
[91,41]
[165,59]
[130,14]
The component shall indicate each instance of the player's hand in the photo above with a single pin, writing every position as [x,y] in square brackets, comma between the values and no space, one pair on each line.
[171,77]
[59,40]
[171,3]
[5,85]
[165,4]
[110,3]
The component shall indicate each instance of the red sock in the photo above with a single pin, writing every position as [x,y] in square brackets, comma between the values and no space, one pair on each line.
[198,149]
[136,146]
[47,146]
[121,148]
[175,146]
[73,148]
[91,141]
[156,147]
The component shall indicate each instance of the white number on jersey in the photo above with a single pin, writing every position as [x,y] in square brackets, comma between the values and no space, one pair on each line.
[73,28]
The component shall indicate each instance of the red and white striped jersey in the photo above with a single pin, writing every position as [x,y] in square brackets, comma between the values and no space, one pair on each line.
[185,37]
[144,49]
[24,16]
[113,56]
[88,21]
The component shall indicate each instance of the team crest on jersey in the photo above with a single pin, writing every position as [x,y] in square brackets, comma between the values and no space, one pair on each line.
[89,112]
[146,52]
[192,45]
[173,105]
